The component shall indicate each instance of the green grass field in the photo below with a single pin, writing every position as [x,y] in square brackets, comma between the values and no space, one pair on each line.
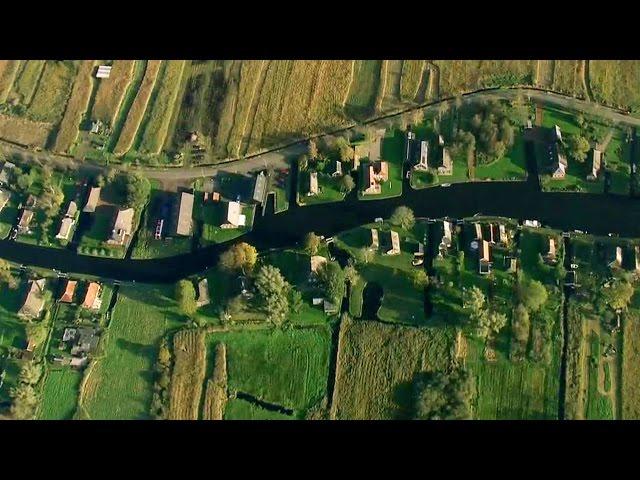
[60,394]
[12,334]
[327,186]
[512,166]
[119,385]
[287,368]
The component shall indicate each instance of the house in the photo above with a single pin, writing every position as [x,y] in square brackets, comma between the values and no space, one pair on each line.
[616,261]
[316,261]
[446,164]
[551,256]
[478,229]
[373,174]
[122,227]
[184,222]
[329,308]
[96,127]
[235,218]
[596,160]
[423,163]
[502,235]
[34,301]
[78,362]
[25,220]
[445,242]
[85,341]
[92,299]
[4,198]
[65,228]
[338,171]
[4,173]
[484,260]
[395,243]
[411,137]
[418,257]
[104,71]
[69,290]
[556,156]
[72,209]
[260,188]
[203,293]
[375,242]
[313,183]
[92,200]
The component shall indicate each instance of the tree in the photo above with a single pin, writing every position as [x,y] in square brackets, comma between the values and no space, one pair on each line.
[295,301]
[273,290]
[51,200]
[520,328]
[186,297]
[351,274]
[345,150]
[473,301]
[312,150]
[489,323]
[36,332]
[419,278]
[577,147]
[164,354]
[30,373]
[303,162]
[346,183]
[312,243]
[443,396]
[25,401]
[532,294]
[618,294]
[6,277]
[240,256]
[134,188]
[331,277]
[403,217]
[364,255]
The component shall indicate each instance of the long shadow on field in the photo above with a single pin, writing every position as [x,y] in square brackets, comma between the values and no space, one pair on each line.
[402,397]
[143,295]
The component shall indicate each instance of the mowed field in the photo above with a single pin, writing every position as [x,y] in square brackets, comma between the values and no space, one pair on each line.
[377,364]
[60,394]
[118,385]
[459,76]
[287,368]
[615,82]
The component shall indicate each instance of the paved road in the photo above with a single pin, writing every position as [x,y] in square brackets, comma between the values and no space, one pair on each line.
[278,158]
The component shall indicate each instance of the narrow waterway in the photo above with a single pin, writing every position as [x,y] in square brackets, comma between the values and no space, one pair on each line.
[271,407]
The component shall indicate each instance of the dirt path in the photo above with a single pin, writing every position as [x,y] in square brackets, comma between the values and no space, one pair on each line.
[586,83]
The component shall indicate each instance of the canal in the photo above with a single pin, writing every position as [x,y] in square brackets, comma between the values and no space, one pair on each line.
[592,213]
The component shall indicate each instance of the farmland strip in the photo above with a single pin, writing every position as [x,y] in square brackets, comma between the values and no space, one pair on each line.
[157,125]
[76,107]
[188,374]
[28,79]
[8,71]
[216,394]
[111,91]
[412,71]
[125,108]
[383,85]
[139,106]
[24,132]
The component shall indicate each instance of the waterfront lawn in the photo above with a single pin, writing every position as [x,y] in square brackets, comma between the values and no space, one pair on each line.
[393,153]
[512,166]
[328,190]
[575,179]
[280,186]
[213,214]
[146,245]
[94,241]
[60,394]
[285,367]
[565,120]
[402,302]
[8,217]
[119,383]
[617,158]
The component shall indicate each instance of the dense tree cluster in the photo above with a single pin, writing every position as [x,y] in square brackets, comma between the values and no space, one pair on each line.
[403,217]
[444,395]
[332,279]
[239,257]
